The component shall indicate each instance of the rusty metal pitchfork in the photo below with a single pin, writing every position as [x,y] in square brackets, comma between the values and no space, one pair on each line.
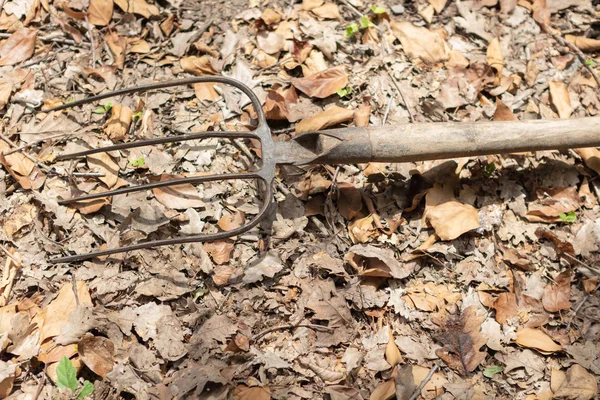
[399,143]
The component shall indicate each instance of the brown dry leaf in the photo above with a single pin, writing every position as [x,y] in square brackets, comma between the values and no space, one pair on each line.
[392,353]
[591,157]
[91,206]
[177,197]
[18,47]
[8,373]
[277,104]
[332,115]
[270,16]
[362,230]
[270,42]
[562,245]
[494,56]
[427,13]
[557,295]
[310,4]
[52,318]
[419,42]
[372,261]
[97,353]
[21,168]
[197,65]
[362,115]
[536,339]
[102,162]
[449,217]
[438,5]
[232,221]
[462,342]
[430,297]
[243,392]
[323,84]
[503,113]
[327,11]
[385,391]
[553,202]
[222,273]
[22,216]
[219,250]
[560,98]
[584,43]
[100,12]
[541,14]
[349,201]
[139,46]
[506,307]
[117,45]
[140,7]
[118,124]
[206,91]
[578,384]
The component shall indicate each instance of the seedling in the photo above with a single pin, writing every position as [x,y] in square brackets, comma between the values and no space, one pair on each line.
[137,115]
[344,91]
[104,109]
[377,10]
[67,378]
[489,170]
[590,63]
[365,22]
[137,163]
[490,371]
[568,217]
[352,29]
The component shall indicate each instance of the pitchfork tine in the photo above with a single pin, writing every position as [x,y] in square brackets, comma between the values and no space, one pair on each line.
[265,174]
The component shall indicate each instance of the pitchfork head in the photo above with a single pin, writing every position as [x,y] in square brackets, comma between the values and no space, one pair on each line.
[264,174]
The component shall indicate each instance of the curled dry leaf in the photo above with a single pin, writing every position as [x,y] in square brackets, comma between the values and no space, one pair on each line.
[584,43]
[591,157]
[385,391]
[105,164]
[362,230]
[560,98]
[221,274]
[438,5]
[362,115]
[536,339]
[117,45]
[552,202]
[100,12]
[8,372]
[178,197]
[18,47]
[494,56]
[331,116]
[139,7]
[349,201]
[278,102]
[232,221]
[392,353]
[503,113]
[449,217]
[21,168]
[197,65]
[419,42]
[323,84]
[219,250]
[118,124]
[97,353]
[206,91]
[270,42]
[270,16]
[557,295]
[374,261]
[541,14]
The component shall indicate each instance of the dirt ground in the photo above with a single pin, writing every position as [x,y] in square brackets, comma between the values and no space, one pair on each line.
[470,278]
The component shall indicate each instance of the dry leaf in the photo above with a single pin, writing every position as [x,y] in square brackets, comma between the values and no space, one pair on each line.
[427,13]
[506,307]
[219,250]
[578,384]
[362,115]
[372,261]
[430,297]
[361,230]
[243,392]
[331,116]
[591,157]
[277,104]
[494,56]
[270,42]
[419,42]
[21,168]
[449,217]
[385,391]
[18,47]
[139,46]
[438,5]
[118,124]
[206,91]
[197,65]
[323,84]
[177,197]
[232,221]
[140,7]
[560,98]
[503,113]
[22,216]
[541,14]
[270,16]
[97,353]
[583,43]
[8,372]
[100,12]
[103,163]
[553,202]
[349,201]
[310,4]
[327,11]
[117,45]
[536,339]
[462,342]
[222,273]
[392,353]
[557,295]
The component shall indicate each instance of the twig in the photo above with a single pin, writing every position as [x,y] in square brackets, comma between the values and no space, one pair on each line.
[352,8]
[25,146]
[5,250]
[90,30]
[276,328]
[29,156]
[40,386]
[594,270]
[75,293]
[387,110]
[412,119]
[574,49]
[417,391]
[587,296]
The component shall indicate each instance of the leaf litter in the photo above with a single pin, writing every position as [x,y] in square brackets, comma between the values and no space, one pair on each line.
[364,290]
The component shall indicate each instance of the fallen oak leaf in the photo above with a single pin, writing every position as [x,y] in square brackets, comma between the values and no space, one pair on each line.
[219,250]
[100,12]
[97,353]
[277,103]
[419,42]
[578,384]
[449,217]
[557,295]
[323,84]
[18,47]
[199,66]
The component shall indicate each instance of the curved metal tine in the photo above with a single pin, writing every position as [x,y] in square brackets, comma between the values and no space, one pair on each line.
[155,185]
[168,139]
[262,213]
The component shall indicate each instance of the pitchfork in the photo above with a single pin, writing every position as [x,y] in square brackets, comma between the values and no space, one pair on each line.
[399,143]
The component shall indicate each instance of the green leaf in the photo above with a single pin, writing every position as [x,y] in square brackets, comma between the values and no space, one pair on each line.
[568,217]
[137,163]
[137,115]
[493,370]
[352,29]
[67,374]
[378,10]
[104,109]
[489,170]
[590,63]
[365,22]
[86,390]
[344,91]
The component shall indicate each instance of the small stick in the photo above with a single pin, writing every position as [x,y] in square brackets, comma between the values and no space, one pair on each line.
[276,328]
[5,250]
[27,155]
[412,119]
[576,310]
[91,35]
[417,391]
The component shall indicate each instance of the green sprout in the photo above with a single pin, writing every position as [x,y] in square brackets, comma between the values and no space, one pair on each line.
[568,217]
[590,63]
[137,115]
[67,378]
[352,29]
[365,22]
[137,163]
[489,170]
[344,92]
[104,109]
[378,10]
